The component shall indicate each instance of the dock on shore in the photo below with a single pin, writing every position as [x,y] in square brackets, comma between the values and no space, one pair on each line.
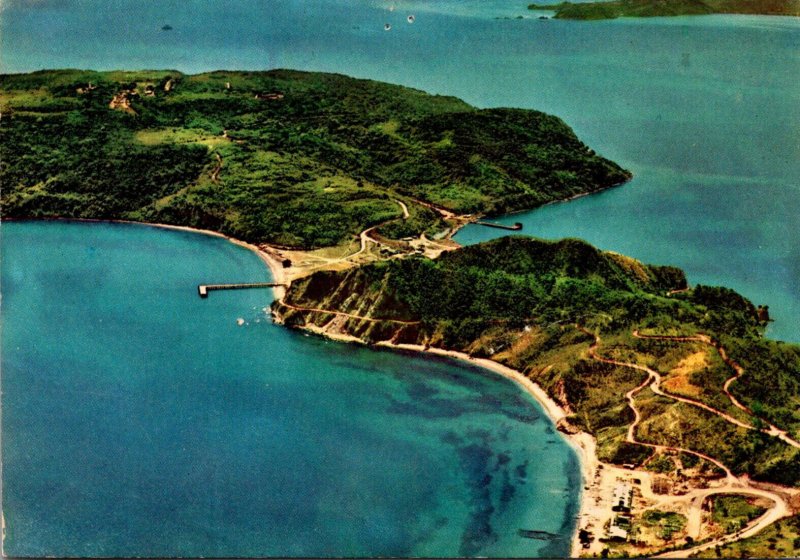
[203,289]
[517,226]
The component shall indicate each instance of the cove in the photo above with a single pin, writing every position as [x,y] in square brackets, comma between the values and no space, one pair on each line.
[705,111]
[141,420]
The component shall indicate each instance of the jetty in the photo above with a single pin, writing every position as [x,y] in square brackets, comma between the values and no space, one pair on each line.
[517,226]
[203,289]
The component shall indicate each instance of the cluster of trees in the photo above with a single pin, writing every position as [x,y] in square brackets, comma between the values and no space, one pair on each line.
[63,160]
[658,8]
[515,281]
[307,159]
[517,297]
[771,384]
[511,281]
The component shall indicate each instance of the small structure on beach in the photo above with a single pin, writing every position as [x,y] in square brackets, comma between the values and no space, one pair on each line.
[616,532]
[622,498]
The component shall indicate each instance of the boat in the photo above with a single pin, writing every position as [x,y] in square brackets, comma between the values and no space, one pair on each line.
[538,535]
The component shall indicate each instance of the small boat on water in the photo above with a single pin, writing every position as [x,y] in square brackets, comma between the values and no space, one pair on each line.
[538,535]
[387,27]
[166,28]
[411,18]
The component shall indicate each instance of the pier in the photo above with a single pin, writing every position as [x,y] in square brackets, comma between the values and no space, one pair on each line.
[517,226]
[203,289]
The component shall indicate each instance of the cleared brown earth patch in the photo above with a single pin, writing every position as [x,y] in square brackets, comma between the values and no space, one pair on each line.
[678,381]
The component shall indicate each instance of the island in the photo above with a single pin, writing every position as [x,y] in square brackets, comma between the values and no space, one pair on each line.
[659,8]
[685,416]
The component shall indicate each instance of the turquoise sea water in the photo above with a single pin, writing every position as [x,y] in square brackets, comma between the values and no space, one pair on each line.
[704,110]
[141,420]
[128,410]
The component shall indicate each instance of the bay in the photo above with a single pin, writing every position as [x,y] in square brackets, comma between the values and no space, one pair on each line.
[704,110]
[141,420]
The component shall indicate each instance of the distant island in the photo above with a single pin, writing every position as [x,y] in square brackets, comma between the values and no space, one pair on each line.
[660,8]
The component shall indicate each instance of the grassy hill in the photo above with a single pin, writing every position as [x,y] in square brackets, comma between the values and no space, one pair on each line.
[516,300]
[781,539]
[292,158]
[658,8]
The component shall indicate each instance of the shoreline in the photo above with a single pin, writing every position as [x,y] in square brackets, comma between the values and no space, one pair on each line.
[272,262]
[582,443]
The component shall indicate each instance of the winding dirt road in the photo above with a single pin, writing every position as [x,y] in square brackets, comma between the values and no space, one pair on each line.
[738,372]
[404,208]
[653,380]
[732,483]
[779,510]
[348,315]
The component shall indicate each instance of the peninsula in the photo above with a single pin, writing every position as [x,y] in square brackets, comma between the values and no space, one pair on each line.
[685,415]
[660,8]
[289,158]
[692,414]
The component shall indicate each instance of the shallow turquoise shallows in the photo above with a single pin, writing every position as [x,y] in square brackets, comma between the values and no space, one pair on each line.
[141,420]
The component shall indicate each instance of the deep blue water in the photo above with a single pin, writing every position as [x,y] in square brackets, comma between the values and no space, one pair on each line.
[704,110]
[141,420]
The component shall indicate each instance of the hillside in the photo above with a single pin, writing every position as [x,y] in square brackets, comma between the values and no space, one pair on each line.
[659,8]
[540,307]
[290,158]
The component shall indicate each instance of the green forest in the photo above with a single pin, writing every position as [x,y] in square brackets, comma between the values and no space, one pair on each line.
[517,300]
[659,8]
[290,158]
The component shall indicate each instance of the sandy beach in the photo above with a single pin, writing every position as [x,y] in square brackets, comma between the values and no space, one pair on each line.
[584,444]
[271,260]
[592,510]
